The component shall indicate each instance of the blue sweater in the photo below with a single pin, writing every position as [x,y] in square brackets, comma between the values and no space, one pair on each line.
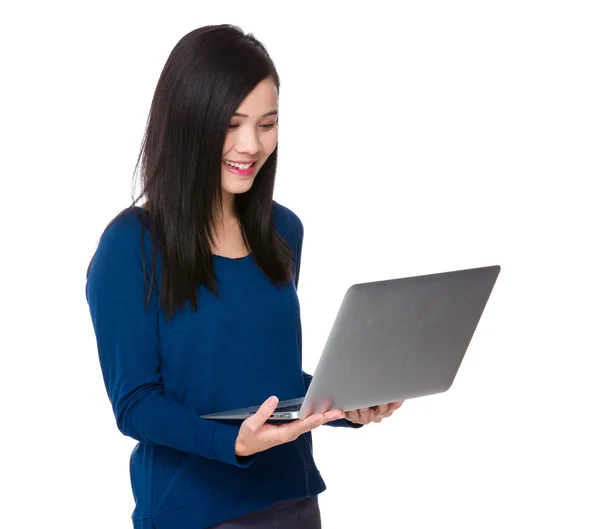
[160,376]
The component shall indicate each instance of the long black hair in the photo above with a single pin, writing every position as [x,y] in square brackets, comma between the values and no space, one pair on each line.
[205,78]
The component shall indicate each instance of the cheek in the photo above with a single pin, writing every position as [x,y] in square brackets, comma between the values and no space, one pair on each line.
[269,143]
[228,144]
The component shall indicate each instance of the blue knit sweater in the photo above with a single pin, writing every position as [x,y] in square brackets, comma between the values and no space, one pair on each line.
[160,376]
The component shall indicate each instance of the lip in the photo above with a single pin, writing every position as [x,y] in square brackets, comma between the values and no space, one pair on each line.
[240,161]
[240,172]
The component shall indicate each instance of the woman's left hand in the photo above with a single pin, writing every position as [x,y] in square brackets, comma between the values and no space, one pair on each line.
[373,414]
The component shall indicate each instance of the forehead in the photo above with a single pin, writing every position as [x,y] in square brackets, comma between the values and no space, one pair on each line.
[263,98]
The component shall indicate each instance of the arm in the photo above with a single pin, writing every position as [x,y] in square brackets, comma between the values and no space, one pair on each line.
[130,355]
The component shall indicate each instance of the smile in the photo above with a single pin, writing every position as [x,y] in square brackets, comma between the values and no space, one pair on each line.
[242,166]
[240,169]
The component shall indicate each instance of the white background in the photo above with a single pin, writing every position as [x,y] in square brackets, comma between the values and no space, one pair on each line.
[418,138]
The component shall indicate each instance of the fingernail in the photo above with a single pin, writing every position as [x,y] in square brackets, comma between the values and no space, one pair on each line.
[272,401]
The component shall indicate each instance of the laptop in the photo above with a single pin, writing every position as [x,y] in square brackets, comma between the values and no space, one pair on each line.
[391,340]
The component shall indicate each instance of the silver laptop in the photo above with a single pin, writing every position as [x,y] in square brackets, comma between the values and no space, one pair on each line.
[391,340]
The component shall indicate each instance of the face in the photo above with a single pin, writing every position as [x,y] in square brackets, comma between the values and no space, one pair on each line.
[251,138]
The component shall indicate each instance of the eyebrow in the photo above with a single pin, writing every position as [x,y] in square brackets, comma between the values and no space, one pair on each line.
[272,113]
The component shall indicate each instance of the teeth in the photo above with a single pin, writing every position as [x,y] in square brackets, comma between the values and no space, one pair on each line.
[239,165]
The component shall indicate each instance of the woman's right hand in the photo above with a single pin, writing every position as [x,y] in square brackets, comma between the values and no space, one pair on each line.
[256,435]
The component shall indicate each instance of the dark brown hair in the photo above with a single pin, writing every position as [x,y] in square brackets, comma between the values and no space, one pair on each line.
[207,75]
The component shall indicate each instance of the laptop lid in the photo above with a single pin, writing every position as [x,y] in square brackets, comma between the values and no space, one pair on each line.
[399,339]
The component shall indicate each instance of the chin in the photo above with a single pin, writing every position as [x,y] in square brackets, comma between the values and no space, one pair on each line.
[238,188]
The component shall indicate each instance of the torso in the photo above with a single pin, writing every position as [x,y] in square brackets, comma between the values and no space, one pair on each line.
[219,357]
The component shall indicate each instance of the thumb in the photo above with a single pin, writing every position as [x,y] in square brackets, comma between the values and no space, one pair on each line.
[263,414]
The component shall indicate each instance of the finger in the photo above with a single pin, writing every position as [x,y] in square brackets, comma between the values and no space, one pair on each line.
[353,416]
[364,415]
[382,409]
[392,408]
[254,422]
[331,415]
[302,426]
[335,415]
[375,416]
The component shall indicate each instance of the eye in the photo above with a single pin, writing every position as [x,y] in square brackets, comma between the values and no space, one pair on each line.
[268,126]
[233,125]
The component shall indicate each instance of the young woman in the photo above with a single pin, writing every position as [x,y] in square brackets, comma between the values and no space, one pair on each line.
[194,304]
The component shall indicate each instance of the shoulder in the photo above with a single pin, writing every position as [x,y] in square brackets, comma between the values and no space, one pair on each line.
[288,222]
[121,239]
[125,227]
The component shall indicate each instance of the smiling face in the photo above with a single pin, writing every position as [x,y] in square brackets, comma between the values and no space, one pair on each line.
[250,139]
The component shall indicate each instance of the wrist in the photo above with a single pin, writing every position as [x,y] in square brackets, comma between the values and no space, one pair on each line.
[241,450]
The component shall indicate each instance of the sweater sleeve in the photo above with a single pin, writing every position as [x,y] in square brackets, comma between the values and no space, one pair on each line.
[308,378]
[127,337]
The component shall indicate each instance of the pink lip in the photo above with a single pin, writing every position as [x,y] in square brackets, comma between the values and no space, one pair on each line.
[240,172]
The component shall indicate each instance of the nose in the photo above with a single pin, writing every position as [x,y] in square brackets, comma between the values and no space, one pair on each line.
[248,142]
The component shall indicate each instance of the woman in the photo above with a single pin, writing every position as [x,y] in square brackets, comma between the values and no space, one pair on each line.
[194,304]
